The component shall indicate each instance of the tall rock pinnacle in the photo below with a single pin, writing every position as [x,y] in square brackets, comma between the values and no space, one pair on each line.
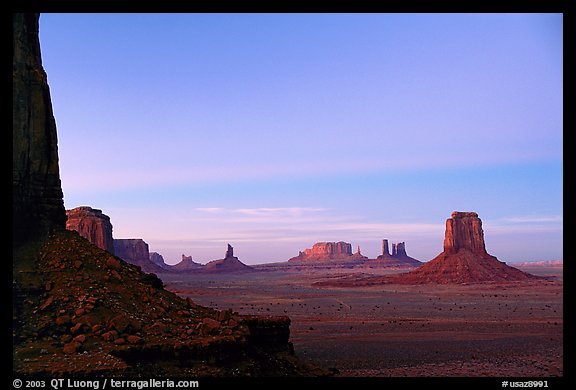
[464,259]
[37,199]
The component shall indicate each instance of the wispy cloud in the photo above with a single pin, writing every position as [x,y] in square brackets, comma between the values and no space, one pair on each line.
[532,219]
[524,224]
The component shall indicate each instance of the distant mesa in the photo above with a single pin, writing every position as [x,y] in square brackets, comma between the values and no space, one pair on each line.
[322,251]
[229,263]
[186,264]
[464,259]
[135,251]
[340,253]
[93,225]
[158,259]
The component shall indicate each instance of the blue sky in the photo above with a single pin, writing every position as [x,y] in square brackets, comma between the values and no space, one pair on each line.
[274,131]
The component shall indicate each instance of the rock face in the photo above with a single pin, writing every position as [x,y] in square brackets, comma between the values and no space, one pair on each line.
[464,259]
[37,199]
[229,263]
[93,225]
[187,264]
[322,251]
[158,259]
[464,231]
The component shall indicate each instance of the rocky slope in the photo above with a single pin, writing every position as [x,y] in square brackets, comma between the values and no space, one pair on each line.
[93,225]
[85,311]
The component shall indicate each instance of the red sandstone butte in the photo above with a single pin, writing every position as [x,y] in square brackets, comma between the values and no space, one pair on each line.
[93,225]
[464,259]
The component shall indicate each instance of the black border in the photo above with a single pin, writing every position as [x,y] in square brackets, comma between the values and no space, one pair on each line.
[567,7]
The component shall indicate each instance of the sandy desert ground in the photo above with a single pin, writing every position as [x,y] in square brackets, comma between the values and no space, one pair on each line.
[476,330]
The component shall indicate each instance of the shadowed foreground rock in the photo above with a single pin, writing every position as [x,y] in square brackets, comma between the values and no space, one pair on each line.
[37,200]
[86,311]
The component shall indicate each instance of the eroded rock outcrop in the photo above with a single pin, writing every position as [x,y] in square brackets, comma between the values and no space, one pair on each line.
[464,259]
[229,263]
[187,264]
[158,259]
[358,255]
[37,199]
[398,257]
[93,225]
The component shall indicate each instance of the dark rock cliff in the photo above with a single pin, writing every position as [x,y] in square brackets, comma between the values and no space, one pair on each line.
[37,202]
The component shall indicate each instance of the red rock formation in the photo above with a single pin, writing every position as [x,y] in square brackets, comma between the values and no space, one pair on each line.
[37,199]
[385,251]
[230,263]
[93,225]
[464,259]
[158,259]
[464,231]
[135,251]
[358,255]
[187,264]
[398,258]
[323,251]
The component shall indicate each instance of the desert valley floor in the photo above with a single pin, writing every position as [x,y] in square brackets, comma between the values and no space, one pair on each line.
[485,329]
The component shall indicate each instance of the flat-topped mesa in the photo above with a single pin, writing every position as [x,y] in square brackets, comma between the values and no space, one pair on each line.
[322,251]
[93,225]
[464,231]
